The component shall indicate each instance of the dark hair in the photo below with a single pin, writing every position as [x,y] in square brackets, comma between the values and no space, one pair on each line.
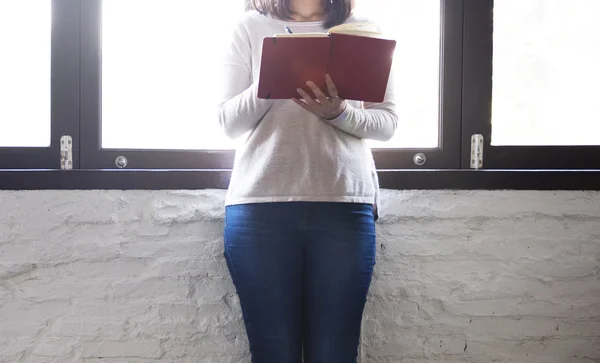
[336,11]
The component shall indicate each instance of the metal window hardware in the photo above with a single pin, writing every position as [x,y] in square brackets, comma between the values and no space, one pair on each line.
[66,152]
[121,162]
[476,151]
[420,159]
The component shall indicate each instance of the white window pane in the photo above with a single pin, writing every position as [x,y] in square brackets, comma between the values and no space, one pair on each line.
[158,72]
[546,72]
[415,25]
[157,79]
[25,38]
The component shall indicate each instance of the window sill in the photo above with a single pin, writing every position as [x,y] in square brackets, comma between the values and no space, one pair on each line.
[18,179]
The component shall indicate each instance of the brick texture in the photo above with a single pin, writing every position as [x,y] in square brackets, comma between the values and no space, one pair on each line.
[139,277]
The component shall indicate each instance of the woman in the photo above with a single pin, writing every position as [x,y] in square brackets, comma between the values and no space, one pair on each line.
[299,223]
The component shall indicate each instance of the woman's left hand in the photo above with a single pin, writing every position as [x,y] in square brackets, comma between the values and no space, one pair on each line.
[324,107]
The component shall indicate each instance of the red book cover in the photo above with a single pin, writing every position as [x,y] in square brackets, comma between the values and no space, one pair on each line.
[359,65]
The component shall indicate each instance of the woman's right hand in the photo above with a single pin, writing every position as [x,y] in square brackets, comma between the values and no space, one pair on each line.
[322,106]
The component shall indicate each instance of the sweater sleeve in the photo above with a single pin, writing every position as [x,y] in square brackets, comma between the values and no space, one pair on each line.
[376,121]
[239,108]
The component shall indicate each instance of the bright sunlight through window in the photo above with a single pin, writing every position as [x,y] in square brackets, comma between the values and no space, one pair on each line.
[546,72]
[415,25]
[158,75]
[25,37]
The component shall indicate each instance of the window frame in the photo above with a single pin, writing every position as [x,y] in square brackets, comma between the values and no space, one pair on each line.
[92,155]
[413,179]
[446,156]
[64,93]
[477,112]
[38,168]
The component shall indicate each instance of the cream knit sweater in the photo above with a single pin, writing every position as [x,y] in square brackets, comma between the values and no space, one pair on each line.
[287,153]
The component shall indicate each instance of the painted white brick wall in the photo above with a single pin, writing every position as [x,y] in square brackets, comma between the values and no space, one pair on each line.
[138,277]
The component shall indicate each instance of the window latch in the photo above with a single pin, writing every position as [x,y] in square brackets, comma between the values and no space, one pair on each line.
[476,151]
[66,152]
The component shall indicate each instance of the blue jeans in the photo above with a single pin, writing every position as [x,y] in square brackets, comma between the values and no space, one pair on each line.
[302,272]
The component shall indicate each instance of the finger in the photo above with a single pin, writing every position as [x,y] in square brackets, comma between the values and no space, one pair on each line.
[307,98]
[308,108]
[300,103]
[317,91]
[331,88]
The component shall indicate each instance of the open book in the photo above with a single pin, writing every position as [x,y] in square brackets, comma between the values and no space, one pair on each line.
[358,29]
[356,56]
